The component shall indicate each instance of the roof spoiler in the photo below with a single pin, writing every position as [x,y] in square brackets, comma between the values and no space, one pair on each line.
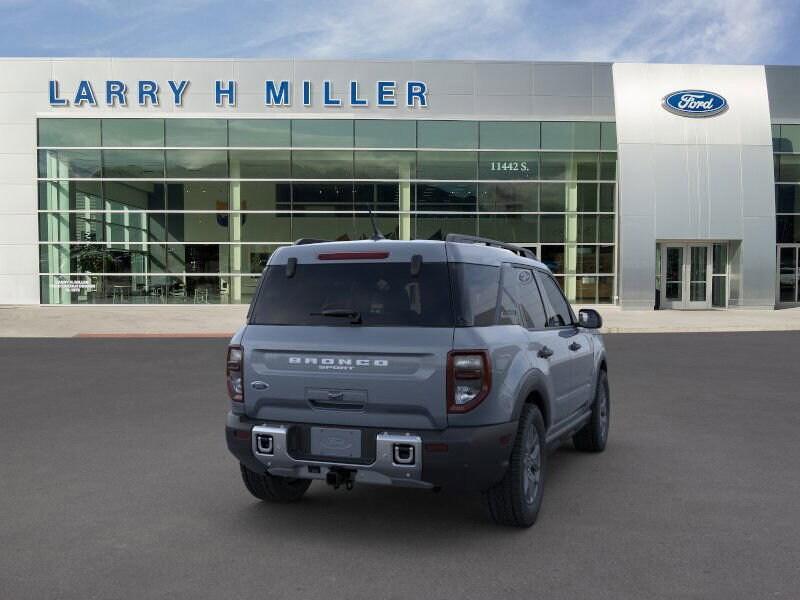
[459,238]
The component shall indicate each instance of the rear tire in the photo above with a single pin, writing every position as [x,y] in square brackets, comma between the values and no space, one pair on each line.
[516,499]
[273,489]
[594,435]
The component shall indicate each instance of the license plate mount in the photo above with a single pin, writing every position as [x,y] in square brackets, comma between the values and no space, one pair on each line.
[336,443]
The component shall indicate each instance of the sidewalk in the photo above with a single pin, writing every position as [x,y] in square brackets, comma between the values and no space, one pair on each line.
[222,321]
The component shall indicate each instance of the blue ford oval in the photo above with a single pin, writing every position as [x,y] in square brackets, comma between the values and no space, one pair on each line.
[695,103]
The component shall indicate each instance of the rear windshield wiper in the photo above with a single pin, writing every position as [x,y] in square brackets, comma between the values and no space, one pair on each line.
[353,315]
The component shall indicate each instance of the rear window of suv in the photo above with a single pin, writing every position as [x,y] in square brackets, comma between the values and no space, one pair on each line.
[380,293]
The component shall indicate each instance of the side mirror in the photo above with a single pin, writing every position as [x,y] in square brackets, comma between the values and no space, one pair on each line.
[589,318]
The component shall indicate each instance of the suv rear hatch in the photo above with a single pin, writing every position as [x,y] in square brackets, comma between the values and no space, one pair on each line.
[351,334]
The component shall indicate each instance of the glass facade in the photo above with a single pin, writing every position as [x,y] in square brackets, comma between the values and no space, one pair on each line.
[188,210]
[786,146]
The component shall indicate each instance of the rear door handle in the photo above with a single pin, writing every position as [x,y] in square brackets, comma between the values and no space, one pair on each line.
[574,346]
[545,352]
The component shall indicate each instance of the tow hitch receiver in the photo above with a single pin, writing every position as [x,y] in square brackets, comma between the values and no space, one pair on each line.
[337,476]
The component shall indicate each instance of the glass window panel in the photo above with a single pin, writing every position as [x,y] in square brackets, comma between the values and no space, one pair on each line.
[265,227]
[321,196]
[260,164]
[586,259]
[605,261]
[197,163]
[570,135]
[605,290]
[720,259]
[511,197]
[96,289]
[509,134]
[508,165]
[197,132]
[718,299]
[605,228]
[70,195]
[385,165]
[586,289]
[133,163]
[587,197]
[790,138]
[69,163]
[254,257]
[788,229]
[553,257]
[608,136]
[787,198]
[322,164]
[587,229]
[128,227]
[608,166]
[265,133]
[447,134]
[323,226]
[553,197]
[388,225]
[101,258]
[606,197]
[69,132]
[585,165]
[133,195]
[776,139]
[552,228]
[447,165]
[436,227]
[198,195]
[556,165]
[384,133]
[133,132]
[197,227]
[789,167]
[513,228]
[587,136]
[198,258]
[446,196]
[381,196]
[322,133]
[263,195]
[557,135]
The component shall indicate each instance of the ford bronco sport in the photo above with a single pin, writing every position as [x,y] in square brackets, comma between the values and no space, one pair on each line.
[429,364]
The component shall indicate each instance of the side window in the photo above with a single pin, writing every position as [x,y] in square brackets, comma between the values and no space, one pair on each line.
[508,305]
[562,315]
[530,300]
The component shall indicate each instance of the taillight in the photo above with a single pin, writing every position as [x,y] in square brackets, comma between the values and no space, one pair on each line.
[233,373]
[469,379]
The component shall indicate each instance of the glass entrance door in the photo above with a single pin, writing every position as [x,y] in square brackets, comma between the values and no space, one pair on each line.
[686,276]
[788,275]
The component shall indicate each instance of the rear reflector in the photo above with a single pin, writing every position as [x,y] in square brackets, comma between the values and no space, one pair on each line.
[353,255]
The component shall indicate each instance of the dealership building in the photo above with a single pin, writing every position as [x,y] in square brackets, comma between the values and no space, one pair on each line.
[126,181]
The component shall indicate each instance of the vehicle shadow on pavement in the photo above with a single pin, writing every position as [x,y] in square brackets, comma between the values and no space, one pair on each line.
[389,513]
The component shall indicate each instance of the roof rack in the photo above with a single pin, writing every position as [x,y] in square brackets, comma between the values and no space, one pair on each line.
[472,239]
[304,241]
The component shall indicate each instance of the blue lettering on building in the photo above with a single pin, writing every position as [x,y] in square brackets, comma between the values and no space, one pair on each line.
[276,93]
[277,96]
[84,94]
[178,88]
[226,90]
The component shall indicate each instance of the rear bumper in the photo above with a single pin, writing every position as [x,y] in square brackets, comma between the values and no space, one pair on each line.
[464,458]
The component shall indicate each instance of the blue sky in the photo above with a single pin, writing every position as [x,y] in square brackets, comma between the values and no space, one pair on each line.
[700,31]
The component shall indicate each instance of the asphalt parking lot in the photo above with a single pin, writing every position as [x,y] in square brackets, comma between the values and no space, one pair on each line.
[115,482]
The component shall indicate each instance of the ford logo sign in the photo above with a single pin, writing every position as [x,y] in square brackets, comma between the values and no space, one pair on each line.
[695,103]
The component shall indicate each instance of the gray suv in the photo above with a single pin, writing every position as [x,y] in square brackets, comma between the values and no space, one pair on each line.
[429,364]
